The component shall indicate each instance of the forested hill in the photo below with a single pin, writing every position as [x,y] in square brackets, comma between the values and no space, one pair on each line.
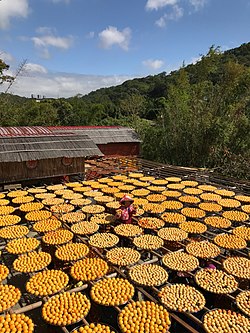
[155,86]
[198,115]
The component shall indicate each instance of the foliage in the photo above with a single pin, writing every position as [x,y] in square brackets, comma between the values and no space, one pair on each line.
[3,68]
[197,116]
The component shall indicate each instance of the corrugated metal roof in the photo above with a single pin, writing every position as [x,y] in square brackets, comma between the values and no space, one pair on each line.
[53,128]
[103,135]
[99,134]
[19,149]
[24,131]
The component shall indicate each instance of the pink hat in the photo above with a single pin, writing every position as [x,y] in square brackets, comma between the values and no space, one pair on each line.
[126,198]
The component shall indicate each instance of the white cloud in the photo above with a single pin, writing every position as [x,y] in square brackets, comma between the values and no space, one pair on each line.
[176,14]
[6,57]
[112,36]
[35,68]
[197,4]
[157,4]
[61,84]
[48,40]
[12,9]
[153,64]
[58,42]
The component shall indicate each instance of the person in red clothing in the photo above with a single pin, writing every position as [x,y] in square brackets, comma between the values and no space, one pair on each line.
[126,211]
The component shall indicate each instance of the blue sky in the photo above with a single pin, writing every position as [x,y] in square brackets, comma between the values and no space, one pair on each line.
[76,46]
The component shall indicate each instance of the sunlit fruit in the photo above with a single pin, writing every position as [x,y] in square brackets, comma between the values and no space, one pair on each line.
[47,282]
[148,242]
[112,291]
[172,205]
[229,241]
[172,234]
[123,256]
[153,208]
[235,215]
[31,206]
[32,262]
[66,308]
[9,296]
[57,237]
[17,193]
[38,215]
[243,301]
[180,261]
[85,228]
[193,213]
[192,183]
[16,323]
[225,193]
[151,223]
[73,217]
[93,328]
[53,201]
[174,218]
[203,249]
[48,225]
[189,199]
[140,192]
[243,198]
[246,208]
[156,197]
[7,220]
[217,222]
[137,317]
[193,227]
[89,269]
[237,266]
[102,218]
[224,321]
[62,208]
[182,298]
[71,251]
[103,240]
[216,281]
[207,196]
[148,274]
[208,188]
[80,202]
[128,230]
[242,232]
[4,202]
[22,245]
[6,210]
[171,194]
[229,203]
[22,200]
[192,191]
[14,231]
[4,272]
[93,209]
[210,207]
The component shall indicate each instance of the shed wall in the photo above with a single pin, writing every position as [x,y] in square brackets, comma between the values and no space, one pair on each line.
[18,171]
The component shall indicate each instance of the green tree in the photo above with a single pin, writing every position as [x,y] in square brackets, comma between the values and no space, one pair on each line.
[3,68]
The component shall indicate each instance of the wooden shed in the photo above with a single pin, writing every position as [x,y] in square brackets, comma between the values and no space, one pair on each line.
[111,140]
[38,153]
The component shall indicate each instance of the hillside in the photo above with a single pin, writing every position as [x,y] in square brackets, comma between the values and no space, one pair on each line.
[198,115]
